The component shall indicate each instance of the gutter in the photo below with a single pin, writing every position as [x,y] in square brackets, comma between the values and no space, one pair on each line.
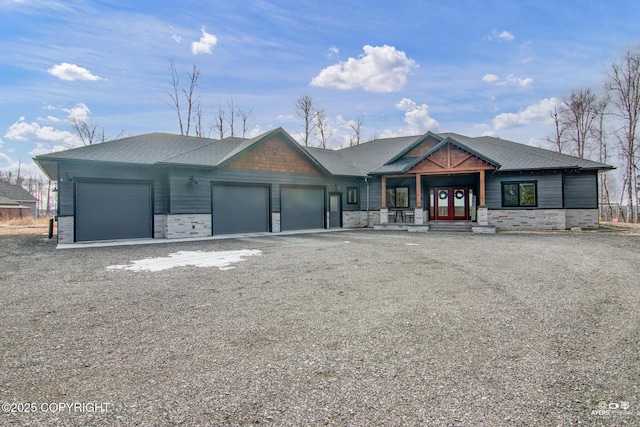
[366,181]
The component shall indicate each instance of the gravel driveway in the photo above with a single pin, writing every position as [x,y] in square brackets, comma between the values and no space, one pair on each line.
[349,328]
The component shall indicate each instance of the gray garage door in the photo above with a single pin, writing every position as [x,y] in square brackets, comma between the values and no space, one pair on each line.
[301,208]
[239,209]
[107,211]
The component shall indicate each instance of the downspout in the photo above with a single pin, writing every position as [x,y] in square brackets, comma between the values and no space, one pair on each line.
[366,181]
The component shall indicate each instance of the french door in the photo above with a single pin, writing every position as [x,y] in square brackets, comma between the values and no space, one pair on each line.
[449,203]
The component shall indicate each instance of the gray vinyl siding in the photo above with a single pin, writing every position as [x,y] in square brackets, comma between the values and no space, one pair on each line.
[375,194]
[580,190]
[549,188]
[196,198]
[66,188]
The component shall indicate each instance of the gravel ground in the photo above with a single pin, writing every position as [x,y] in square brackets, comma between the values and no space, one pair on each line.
[348,328]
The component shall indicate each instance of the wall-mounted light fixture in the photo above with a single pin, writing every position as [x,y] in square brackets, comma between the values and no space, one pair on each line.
[55,190]
[192,180]
[66,177]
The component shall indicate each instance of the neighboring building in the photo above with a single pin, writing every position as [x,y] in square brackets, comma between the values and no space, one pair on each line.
[16,195]
[168,186]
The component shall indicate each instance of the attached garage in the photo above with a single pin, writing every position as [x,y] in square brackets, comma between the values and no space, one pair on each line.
[239,208]
[301,208]
[113,210]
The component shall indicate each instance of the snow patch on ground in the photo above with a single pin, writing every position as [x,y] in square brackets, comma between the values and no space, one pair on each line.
[222,260]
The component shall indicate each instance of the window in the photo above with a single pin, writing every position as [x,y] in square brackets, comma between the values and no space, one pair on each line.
[352,195]
[398,197]
[520,194]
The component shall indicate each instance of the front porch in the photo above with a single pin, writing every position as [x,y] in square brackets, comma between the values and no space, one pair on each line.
[435,181]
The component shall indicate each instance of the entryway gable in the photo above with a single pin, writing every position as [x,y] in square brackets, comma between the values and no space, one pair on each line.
[448,156]
[422,148]
[275,153]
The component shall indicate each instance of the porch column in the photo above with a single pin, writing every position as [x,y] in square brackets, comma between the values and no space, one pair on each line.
[384,212]
[483,212]
[384,192]
[418,192]
[482,188]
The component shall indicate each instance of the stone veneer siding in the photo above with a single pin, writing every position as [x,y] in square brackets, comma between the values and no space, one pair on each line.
[188,225]
[358,219]
[66,229]
[159,226]
[585,218]
[275,222]
[528,219]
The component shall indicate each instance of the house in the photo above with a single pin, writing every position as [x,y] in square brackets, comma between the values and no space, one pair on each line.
[169,186]
[13,201]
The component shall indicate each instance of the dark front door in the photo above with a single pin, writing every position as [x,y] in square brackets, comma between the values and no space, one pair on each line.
[335,210]
[451,203]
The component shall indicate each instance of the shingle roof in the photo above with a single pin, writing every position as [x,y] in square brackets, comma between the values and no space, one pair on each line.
[15,192]
[515,156]
[380,156]
[8,201]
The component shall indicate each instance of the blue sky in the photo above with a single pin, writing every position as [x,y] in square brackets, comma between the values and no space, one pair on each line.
[471,67]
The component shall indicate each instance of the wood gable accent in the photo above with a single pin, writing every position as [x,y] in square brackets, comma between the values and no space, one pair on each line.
[273,155]
[451,159]
[422,148]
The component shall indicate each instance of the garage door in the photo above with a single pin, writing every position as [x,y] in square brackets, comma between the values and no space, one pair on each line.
[107,211]
[301,208]
[239,209]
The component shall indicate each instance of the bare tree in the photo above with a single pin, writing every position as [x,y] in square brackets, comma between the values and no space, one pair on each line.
[356,127]
[578,117]
[624,85]
[244,116]
[232,116]
[86,130]
[557,140]
[600,136]
[321,125]
[199,113]
[179,92]
[218,124]
[19,178]
[305,108]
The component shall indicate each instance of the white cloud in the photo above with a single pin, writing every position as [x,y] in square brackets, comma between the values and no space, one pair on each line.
[416,116]
[502,35]
[80,112]
[71,72]
[176,38]
[333,51]
[205,44]
[33,132]
[510,80]
[490,78]
[379,69]
[4,161]
[49,119]
[505,35]
[539,112]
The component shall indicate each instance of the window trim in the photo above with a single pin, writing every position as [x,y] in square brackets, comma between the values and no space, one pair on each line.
[519,184]
[354,191]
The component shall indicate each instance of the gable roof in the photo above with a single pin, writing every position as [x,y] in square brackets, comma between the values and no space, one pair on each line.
[15,192]
[400,164]
[376,157]
[515,156]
